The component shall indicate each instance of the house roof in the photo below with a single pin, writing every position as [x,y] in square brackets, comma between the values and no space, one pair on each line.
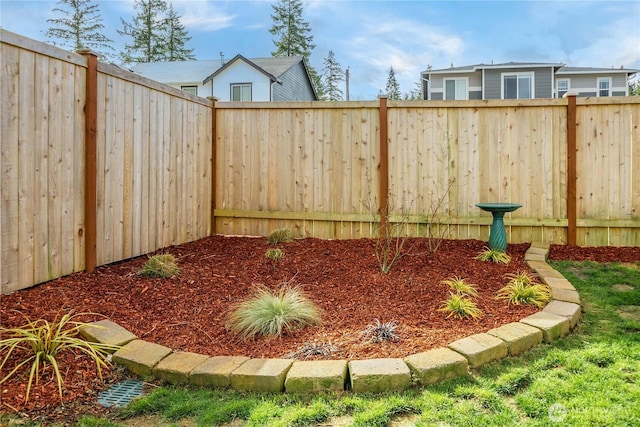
[592,70]
[202,70]
[478,67]
[560,68]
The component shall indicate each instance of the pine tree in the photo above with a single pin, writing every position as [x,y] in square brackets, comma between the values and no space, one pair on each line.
[333,75]
[293,32]
[294,37]
[177,37]
[79,26]
[392,88]
[157,34]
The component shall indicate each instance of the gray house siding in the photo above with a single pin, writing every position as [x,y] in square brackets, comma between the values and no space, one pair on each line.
[542,78]
[294,86]
[587,85]
[474,82]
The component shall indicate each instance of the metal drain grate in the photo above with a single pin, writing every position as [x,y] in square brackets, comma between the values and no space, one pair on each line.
[119,395]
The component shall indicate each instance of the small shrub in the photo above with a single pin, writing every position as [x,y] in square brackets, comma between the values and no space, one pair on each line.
[280,235]
[272,313]
[522,289]
[312,349]
[461,307]
[43,341]
[274,254]
[460,286]
[161,265]
[494,255]
[523,277]
[378,332]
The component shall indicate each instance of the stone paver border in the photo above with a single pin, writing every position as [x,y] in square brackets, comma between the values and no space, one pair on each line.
[277,375]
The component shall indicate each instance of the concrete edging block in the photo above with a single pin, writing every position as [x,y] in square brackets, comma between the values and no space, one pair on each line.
[216,371]
[480,349]
[376,375]
[437,365]
[565,309]
[307,376]
[176,367]
[140,357]
[107,332]
[519,337]
[551,325]
[261,375]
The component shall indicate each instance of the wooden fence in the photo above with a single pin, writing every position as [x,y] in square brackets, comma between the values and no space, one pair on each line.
[100,165]
[319,167]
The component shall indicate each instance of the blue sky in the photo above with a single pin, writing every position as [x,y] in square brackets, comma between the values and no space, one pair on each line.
[371,36]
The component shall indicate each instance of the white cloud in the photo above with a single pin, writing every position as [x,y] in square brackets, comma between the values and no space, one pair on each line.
[406,45]
[202,15]
[616,44]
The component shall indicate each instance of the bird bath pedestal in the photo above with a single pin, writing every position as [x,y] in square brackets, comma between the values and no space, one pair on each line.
[497,235]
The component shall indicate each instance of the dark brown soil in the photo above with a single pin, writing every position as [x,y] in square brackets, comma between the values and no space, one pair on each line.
[188,312]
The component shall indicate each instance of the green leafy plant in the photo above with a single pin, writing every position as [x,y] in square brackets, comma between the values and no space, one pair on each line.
[274,254]
[522,289]
[269,312]
[42,341]
[378,332]
[460,286]
[494,255]
[461,307]
[280,235]
[161,265]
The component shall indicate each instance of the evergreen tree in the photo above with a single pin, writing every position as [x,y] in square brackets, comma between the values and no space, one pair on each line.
[176,39]
[148,30]
[79,26]
[392,88]
[415,94]
[333,75]
[634,88]
[294,37]
[293,32]
[157,34]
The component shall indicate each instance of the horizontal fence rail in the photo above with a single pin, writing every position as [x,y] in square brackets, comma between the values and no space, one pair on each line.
[100,165]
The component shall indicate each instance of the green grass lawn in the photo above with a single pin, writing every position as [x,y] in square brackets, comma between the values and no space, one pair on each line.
[590,378]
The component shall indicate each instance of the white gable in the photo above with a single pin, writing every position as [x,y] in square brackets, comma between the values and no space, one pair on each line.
[242,73]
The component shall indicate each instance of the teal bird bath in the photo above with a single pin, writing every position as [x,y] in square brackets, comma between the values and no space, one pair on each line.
[497,234]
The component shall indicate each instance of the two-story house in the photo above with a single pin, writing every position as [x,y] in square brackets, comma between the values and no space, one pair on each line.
[523,80]
[239,79]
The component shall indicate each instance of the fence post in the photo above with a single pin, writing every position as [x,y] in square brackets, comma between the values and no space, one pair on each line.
[213,166]
[571,170]
[383,191]
[90,161]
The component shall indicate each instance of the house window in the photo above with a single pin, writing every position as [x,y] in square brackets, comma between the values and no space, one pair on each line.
[517,86]
[241,92]
[604,86]
[193,90]
[455,89]
[562,87]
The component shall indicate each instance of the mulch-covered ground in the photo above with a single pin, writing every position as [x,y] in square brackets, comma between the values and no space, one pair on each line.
[188,312]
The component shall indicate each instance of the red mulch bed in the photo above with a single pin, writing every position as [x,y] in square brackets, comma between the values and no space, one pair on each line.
[188,312]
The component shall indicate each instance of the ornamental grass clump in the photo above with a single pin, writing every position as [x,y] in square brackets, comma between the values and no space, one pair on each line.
[460,306]
[280,235]
[274,254]
[39,342]
[494,255]
[378,332]
[523,289]
[272,313]
[459,286]
[161,265]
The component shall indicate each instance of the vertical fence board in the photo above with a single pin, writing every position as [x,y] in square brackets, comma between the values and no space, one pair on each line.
[10,221]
